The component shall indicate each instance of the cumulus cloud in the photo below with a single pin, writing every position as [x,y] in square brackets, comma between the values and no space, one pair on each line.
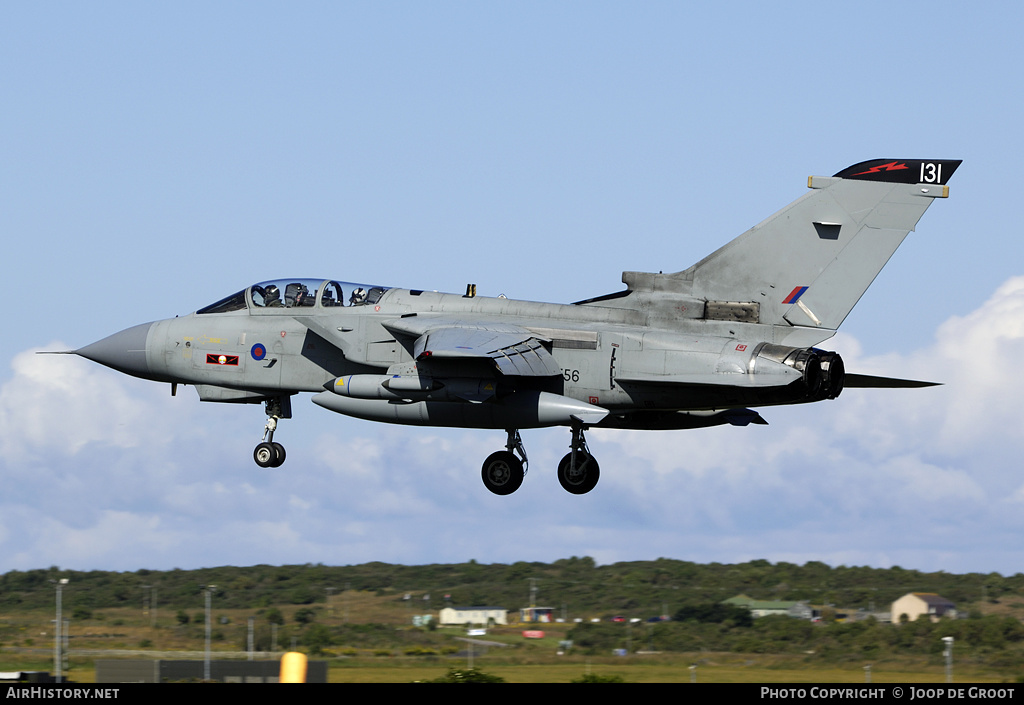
[104,471]
[874,464]
[60,404]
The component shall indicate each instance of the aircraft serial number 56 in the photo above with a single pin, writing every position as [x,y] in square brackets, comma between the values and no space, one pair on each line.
[571,375]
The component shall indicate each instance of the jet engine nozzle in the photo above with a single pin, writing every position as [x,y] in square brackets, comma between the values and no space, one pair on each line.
[823,372]
[835,372]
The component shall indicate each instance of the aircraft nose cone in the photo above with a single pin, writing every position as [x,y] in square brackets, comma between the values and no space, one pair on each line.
[124,351]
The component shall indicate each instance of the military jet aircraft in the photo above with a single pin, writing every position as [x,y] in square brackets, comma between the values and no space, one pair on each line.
[689,349]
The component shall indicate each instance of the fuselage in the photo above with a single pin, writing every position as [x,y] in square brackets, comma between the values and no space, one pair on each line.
[245,348]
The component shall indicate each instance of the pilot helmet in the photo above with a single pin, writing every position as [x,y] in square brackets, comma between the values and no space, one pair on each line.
[358,296]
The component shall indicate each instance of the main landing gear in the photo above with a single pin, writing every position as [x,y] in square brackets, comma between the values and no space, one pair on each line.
[578,471]
[269,454]
[503,472]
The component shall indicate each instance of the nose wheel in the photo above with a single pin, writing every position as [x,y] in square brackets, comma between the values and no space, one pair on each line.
[269,454]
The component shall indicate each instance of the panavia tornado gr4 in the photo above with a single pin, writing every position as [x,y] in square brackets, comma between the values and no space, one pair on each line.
[690,349]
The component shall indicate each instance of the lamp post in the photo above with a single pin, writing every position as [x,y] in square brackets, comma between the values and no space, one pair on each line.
[330,604]
[149,603]
[206,657]
[252,640]
[57,657]
[948,653]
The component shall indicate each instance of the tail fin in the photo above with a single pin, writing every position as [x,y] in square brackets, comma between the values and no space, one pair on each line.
[809,264]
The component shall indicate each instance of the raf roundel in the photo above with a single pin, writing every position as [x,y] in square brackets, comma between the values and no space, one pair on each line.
[259,351]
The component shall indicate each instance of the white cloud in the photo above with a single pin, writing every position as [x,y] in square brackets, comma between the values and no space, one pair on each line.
[60,403]
[977,358]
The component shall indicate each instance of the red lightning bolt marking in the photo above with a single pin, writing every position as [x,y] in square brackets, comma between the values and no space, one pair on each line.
[891,166]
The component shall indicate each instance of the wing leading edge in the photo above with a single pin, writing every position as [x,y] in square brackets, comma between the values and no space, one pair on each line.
[513,350]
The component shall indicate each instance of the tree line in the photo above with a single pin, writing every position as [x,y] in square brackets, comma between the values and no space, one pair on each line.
[575,586]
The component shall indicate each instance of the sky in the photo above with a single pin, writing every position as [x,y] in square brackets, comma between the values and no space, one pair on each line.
[155,158]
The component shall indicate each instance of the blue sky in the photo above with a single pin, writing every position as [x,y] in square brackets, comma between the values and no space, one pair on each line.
[155,158]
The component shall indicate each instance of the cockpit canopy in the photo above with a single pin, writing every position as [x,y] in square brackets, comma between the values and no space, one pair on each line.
[298,293]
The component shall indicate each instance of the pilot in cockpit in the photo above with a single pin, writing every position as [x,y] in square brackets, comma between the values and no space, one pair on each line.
[358,297]
[272,297]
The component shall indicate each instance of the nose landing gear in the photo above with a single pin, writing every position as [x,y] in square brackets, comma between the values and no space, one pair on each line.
[269,454]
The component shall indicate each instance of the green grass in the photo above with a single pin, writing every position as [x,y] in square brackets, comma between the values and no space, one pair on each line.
[550,668]
[661,669]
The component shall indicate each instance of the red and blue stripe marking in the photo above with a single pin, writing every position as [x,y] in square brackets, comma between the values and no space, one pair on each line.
[795,295]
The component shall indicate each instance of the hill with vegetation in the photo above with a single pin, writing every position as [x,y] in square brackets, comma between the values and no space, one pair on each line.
[369,609]
[578,586]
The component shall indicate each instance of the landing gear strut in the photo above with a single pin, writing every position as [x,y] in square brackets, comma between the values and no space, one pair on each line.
[503,472]
[578,471]
[269,454]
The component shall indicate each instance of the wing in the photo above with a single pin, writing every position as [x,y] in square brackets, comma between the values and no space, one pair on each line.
[512,350]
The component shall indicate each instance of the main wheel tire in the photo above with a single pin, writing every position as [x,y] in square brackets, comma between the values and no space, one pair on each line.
[502,472]
[586,476]
[265,455]
[279,455]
